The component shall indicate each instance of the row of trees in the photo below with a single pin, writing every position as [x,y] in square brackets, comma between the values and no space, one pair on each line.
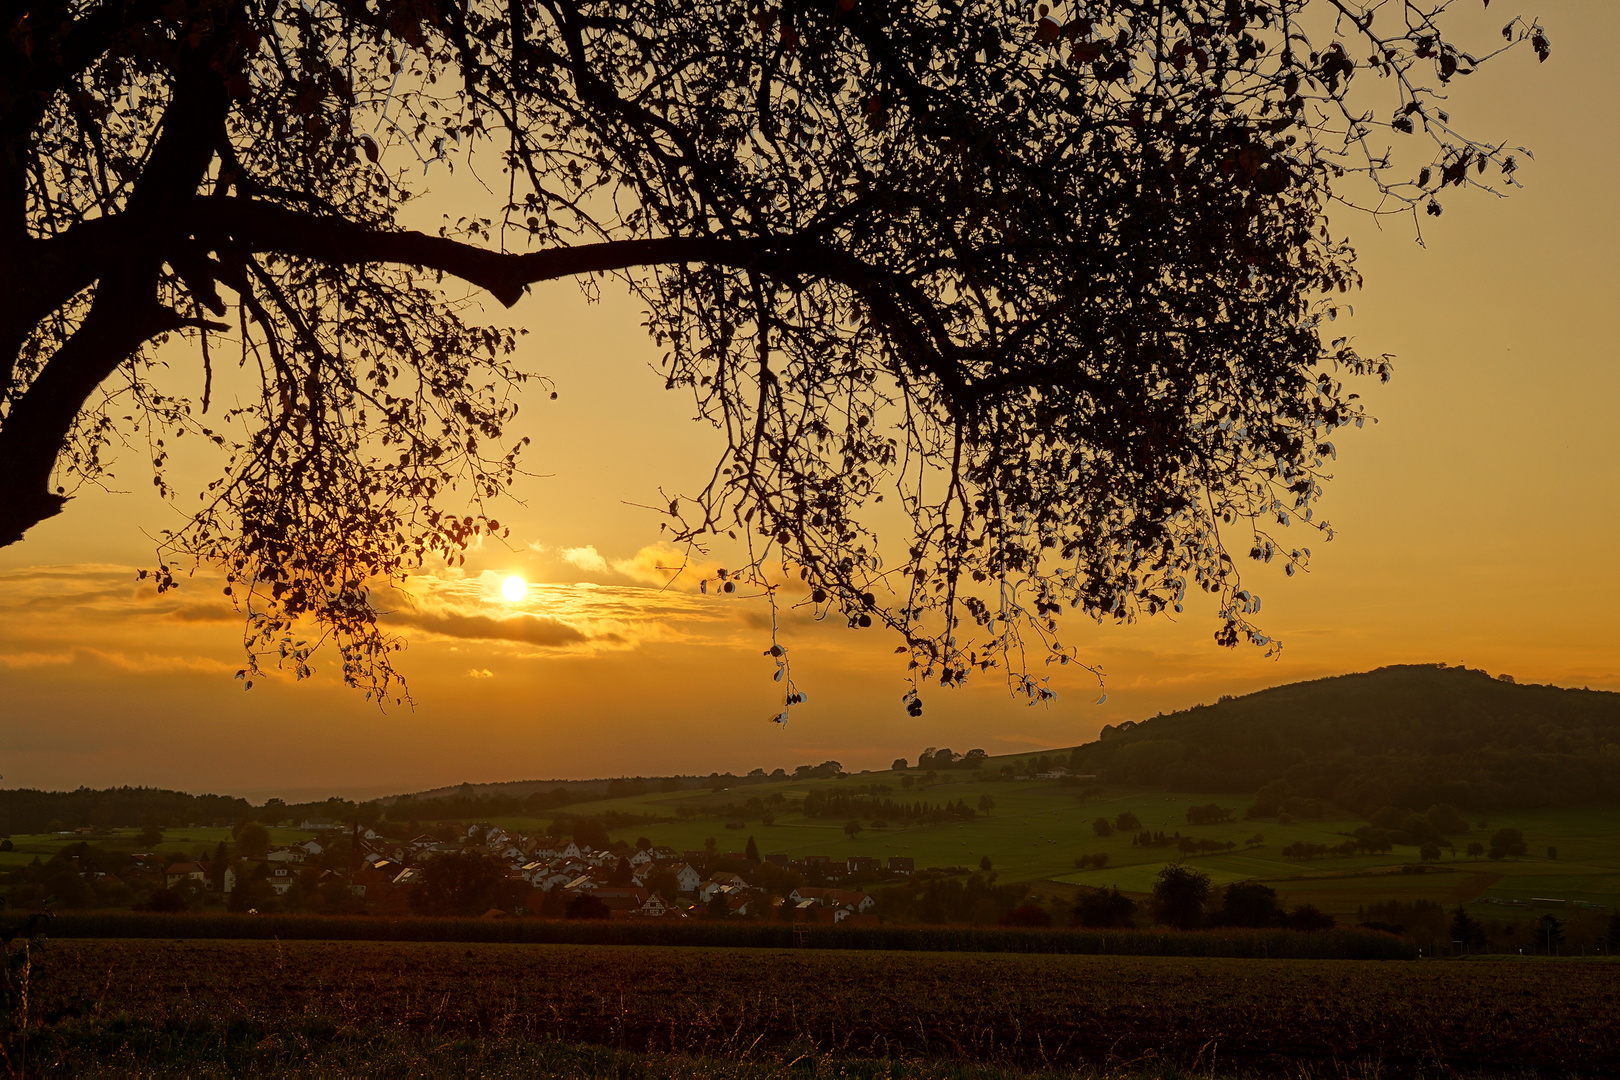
[944,758]
[1183,898]
[837,804]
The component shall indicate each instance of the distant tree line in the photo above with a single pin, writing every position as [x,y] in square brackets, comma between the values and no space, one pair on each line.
[926,898]
[27,810]
[1183,898]
[837,804]
[944,758]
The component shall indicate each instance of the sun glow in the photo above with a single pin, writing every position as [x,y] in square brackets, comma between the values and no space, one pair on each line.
[514,588]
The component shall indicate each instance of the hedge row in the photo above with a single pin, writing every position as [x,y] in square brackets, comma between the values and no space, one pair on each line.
[1268,944]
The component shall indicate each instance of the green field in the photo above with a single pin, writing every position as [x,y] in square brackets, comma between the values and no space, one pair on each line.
[1039,827]
[189,841]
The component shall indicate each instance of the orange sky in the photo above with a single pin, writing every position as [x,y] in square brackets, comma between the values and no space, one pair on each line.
[1476,524]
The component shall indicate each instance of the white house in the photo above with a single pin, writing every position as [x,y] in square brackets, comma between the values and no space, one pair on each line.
[687,879]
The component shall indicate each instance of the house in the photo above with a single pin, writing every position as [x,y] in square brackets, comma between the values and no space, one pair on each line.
[372,882]
[720,882]
[184,871]
[621,902]
[1056,772]
[280,878]
[319,824]
[687,879]
[817,862]
[310,847]
[742,904]
[902,864]
[294,854]
[641,857]
[655,907]
[863,864]
[852,900]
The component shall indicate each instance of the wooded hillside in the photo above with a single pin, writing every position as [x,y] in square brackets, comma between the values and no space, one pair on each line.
[1409,736]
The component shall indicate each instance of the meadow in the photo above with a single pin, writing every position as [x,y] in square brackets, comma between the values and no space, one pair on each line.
[110,1002]
[1038,828]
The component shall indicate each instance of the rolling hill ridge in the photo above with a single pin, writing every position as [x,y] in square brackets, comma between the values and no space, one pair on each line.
[1407,736]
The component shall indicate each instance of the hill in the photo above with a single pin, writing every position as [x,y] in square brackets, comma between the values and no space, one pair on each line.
[1409,736]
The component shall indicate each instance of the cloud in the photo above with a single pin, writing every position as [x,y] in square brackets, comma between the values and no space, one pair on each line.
[481,673]
[206,613]
[34,659]
[666,567]
[528,629]
[586,558]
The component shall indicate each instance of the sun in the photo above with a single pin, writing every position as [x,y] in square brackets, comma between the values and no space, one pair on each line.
[514,588]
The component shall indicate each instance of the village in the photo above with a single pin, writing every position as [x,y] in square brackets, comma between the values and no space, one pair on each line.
[553,876]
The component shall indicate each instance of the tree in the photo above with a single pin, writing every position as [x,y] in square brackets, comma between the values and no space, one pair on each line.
[458,883]
[1103,909]
[1027,914]
[899,765]
[586,906]
[622,873]
[1466,931]
[252,840]
[1507,842]
[1307,918]
[1178,897]
[1429,851]
[1250,903]
[984,863]
[218,865]
[987,803]
[1549,934]
[1102,827]
[751,852]
[1125,821]
[1083,268]
[591,833]
[1475,849]
[851,828]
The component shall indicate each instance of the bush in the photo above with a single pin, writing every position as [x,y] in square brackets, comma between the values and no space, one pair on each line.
[164,902]
[1103,909]
[587,907]
[1306,918]
[1026,915]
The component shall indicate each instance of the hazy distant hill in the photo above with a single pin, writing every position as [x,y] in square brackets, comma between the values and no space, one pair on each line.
[1406,736]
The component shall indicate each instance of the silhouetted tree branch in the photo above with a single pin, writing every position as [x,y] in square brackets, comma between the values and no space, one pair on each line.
[1061,287]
